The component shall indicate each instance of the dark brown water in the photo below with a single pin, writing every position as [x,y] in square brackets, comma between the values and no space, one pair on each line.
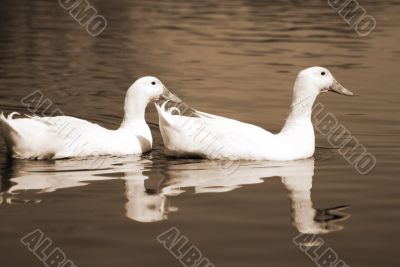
[233,58]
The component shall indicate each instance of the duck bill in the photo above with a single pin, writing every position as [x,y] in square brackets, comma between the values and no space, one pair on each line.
[167,95]
[336,87]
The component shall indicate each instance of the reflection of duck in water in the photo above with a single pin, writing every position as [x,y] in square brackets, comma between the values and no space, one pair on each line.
[48,176]
[42,176]
[297,176]
[145,205]
[305,218]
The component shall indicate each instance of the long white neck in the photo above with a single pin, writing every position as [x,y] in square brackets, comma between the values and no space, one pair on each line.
[301,107]
[134,109]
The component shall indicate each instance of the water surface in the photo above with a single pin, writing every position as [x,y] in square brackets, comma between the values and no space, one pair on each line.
[233,58]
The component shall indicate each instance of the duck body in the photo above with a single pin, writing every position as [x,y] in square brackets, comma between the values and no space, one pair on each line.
[215,137]
[59,137]
[64,137]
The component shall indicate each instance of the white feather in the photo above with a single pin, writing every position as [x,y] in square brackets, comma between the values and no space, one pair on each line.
[216,137]
[58,137]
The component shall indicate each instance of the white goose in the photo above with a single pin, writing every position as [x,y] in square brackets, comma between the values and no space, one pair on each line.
[216,137]
[64,137]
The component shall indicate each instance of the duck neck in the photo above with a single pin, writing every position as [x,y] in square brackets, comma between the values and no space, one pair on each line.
[134,109]
[301,108]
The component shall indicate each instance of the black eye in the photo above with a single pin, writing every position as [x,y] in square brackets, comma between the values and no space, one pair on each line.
[153,83]
[323,73]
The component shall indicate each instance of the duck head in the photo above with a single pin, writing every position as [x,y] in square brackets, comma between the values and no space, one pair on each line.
[316,80]
[151,89]
[139,95]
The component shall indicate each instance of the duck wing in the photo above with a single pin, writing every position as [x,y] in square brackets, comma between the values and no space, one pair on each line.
[45,137]
[211,136]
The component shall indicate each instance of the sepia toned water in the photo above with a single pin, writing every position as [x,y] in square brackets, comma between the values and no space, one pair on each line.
[234,58]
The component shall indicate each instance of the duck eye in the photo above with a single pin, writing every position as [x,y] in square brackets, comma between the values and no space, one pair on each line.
[153,83]
[323,73]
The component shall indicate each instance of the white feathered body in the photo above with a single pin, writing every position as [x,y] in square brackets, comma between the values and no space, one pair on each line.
[216,137]
[64,137]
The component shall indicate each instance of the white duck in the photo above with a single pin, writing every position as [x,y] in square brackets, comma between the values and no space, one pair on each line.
[216,137]
[64,137]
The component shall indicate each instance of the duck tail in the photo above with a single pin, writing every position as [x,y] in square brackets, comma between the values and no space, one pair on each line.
[9,131]
[7,123]
[163,115]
